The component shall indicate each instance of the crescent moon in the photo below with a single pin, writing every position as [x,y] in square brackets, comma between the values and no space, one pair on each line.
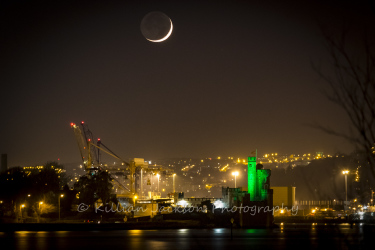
[164,38]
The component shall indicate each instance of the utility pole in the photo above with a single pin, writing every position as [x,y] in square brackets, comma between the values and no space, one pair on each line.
[174,190]
[235,178]
[141,185]
[151,185]
[346,172]
[158,181]
[132,170]
[59,204]
[346,188]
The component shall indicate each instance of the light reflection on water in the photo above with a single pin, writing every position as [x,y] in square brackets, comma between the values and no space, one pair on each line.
[283,237]
[23,232]
[251,231]
[135,232]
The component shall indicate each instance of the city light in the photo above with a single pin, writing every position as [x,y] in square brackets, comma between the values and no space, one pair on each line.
[218,204]
[182,203]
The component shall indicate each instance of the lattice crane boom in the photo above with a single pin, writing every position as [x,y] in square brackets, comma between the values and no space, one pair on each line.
[90,152]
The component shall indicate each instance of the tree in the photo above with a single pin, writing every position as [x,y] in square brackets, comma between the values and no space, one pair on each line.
[92,188]
[352,86]
[14,185]
[68,200]
[32,186]
[42,206]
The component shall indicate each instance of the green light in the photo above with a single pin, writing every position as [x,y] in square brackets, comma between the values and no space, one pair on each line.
[251,177]
[258,181]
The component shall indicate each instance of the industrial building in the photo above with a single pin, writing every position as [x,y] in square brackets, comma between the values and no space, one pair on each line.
[284,196]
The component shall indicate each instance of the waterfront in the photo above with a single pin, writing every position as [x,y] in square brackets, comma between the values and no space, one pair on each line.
[285,236]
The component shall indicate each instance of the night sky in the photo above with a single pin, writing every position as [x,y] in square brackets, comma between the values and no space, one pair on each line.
[233,76]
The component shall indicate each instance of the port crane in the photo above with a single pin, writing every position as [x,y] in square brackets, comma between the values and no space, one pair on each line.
[90,154]
[91,157]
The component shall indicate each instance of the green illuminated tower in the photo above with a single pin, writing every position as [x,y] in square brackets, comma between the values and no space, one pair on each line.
[251,177]
[258,181]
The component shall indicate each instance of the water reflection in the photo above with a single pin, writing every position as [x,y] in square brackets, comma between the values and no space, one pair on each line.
[285,236]
[251,231]
[41,242]
[135,232]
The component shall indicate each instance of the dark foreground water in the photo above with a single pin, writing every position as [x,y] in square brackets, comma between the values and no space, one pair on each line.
[287,236]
